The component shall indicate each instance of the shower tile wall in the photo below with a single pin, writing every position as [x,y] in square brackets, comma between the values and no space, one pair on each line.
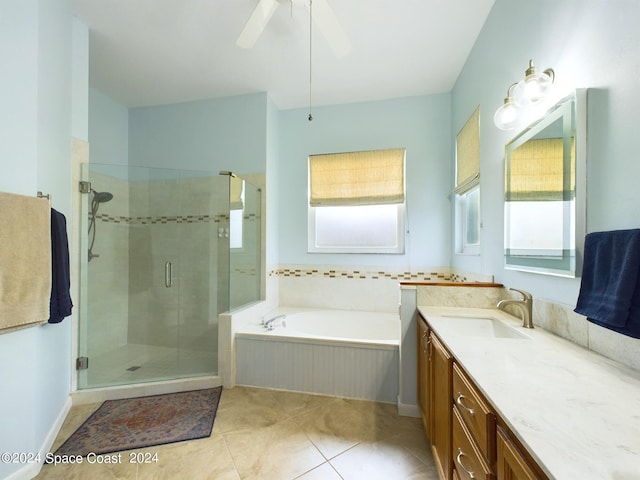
[108,285]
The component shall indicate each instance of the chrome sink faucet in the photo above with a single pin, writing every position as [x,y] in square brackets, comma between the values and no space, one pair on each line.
[525,306]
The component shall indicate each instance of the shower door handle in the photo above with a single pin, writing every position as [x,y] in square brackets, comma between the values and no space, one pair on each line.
[167,274]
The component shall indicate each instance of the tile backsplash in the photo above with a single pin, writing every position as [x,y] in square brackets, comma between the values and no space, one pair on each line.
[564,322]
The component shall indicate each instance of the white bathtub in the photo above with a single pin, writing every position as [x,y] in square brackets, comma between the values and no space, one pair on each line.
[348,326]
[345,353]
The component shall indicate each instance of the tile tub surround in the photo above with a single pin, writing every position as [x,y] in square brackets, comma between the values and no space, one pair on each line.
[348,287]
[267,434]
[575,410]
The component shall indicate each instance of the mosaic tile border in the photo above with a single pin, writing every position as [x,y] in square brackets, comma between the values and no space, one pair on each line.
[378,274]
[105,218]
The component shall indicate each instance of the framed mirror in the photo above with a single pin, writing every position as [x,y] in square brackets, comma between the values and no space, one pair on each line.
[545,182]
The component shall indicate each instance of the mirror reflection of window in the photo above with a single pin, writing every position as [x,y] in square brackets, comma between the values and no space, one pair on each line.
[536,194]
[542,213]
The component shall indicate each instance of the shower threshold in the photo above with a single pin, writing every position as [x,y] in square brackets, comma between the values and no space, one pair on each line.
[100,394]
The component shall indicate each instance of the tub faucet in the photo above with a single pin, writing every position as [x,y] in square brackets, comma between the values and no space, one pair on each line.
[525,306]
[269,324]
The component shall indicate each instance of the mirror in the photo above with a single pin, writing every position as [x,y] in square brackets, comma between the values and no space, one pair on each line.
[544,202]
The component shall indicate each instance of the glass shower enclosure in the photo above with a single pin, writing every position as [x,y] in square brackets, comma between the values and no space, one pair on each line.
[163,252]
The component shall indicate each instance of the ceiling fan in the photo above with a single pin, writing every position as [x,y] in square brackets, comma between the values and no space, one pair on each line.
[322,15]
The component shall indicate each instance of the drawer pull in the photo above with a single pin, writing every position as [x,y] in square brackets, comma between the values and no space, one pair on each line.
[460,403]
[461,454]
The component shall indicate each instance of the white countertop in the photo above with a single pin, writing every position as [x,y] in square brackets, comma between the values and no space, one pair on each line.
[577,412]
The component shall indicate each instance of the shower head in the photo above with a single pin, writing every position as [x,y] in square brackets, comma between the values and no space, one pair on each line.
[102,197]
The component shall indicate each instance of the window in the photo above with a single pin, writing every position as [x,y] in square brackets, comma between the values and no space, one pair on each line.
[467,189]
[469,207]
[356,202]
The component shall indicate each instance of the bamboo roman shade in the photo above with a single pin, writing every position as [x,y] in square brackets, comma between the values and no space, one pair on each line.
[468,154]
[537,172]
[357,178]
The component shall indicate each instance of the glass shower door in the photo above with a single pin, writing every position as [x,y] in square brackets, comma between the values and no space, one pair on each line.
[150,283]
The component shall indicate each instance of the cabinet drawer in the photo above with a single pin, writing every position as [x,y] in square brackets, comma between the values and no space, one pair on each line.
[468,461]
[477,415]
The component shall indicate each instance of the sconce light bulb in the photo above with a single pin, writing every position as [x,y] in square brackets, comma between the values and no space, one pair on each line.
[533,88]
[506,117]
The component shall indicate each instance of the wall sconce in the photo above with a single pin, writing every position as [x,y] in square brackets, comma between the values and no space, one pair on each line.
[532,89]
[506,117]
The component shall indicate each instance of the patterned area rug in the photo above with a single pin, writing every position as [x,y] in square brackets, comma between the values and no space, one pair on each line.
[145,421]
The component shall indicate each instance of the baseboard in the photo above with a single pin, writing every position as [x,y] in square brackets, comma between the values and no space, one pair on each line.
[407,410]
[30,470]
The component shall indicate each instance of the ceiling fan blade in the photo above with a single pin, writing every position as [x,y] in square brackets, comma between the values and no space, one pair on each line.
[331,30]
[256,23]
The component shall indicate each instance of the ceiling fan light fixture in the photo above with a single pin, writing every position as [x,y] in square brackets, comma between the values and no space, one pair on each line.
[323,17]
[257,23]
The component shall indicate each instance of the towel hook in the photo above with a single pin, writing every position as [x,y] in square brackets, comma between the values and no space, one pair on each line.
[43,195]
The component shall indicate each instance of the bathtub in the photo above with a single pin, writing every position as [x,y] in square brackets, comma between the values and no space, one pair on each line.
[345,353]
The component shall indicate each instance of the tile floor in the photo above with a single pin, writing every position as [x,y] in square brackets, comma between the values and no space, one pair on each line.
[274,435]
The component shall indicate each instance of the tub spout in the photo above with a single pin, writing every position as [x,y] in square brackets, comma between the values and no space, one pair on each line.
[270,324]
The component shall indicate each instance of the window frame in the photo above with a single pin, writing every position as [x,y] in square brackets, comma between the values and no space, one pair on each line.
[367,179]
[399,248]
[462,211]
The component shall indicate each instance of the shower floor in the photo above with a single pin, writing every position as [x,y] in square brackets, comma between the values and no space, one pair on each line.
[135,363]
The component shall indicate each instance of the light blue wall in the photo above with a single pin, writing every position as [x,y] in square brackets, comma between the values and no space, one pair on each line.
[420,124]
[589,43]
[108,129]
[39,66]
[218,134]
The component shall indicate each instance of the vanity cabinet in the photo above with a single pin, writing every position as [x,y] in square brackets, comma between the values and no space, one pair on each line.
[434,387]
[511,463]
[440,399]
[424,350]
[477,416]
[468,461]
[468,439]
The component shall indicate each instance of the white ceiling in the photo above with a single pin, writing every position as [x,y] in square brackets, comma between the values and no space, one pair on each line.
[152,52]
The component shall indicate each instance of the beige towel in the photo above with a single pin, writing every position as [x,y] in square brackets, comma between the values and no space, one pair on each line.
[25,261]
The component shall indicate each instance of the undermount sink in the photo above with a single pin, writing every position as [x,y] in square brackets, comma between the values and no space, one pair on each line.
[484,327]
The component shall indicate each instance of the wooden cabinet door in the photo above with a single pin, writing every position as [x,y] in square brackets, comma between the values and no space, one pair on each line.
[441,407]
[510,464]
[423,375]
